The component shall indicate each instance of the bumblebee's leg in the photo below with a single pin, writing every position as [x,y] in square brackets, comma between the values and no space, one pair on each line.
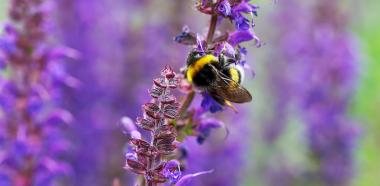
[222,60]
[229,104]
[218,99]
[231,61]
[224,102]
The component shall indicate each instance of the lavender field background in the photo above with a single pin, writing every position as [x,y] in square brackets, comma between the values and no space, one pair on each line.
[316,91]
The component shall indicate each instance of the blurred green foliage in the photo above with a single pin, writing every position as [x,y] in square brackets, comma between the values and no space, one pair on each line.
[3,12]
[367,100]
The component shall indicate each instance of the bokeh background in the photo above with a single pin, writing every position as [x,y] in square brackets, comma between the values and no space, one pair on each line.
[124,44]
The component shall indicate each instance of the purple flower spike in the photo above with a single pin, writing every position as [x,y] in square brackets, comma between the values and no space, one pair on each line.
[32,141]
[316,48]
[145,157]
[172,171]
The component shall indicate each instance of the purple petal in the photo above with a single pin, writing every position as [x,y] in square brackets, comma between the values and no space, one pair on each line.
[208,103]
[242,7]
[245,7]
[59,116]
[129,127]
[172,171]
[242,23]
[186,37]
[219,47]
[60,52]
[187,178]
[205,126]
[238,37]
[201,44]
[210,123]
[230,50]
[223,8]
[243,50]
[225,48]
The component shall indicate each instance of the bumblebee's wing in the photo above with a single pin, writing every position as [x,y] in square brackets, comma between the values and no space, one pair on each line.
[228,89]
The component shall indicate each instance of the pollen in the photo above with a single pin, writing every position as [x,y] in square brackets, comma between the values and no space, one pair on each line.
[235,75]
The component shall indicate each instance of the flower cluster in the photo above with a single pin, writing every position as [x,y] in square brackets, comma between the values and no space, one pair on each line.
[235,11]
[147,157]
[31,138]
[331,132]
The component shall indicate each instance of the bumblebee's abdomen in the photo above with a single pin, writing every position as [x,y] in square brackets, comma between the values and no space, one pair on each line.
[233,73]
[205,76]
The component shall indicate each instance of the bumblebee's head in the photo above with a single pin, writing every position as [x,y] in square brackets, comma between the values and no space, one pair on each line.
[196,63]
[193,57]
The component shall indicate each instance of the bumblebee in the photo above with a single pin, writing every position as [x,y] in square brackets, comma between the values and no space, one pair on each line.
[219,76]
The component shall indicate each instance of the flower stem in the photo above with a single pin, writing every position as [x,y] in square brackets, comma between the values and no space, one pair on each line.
[211,30]
[140,181]
[186,103]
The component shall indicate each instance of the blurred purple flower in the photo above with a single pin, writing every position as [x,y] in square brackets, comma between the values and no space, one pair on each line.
[224,157]
[331,132]
[129,128]
[205,126]
[281,67]
[318,49]
[33,145]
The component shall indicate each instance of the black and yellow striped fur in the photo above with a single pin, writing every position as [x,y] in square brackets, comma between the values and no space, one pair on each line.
[218,77]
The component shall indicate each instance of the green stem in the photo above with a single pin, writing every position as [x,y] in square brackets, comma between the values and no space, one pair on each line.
[186,104]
